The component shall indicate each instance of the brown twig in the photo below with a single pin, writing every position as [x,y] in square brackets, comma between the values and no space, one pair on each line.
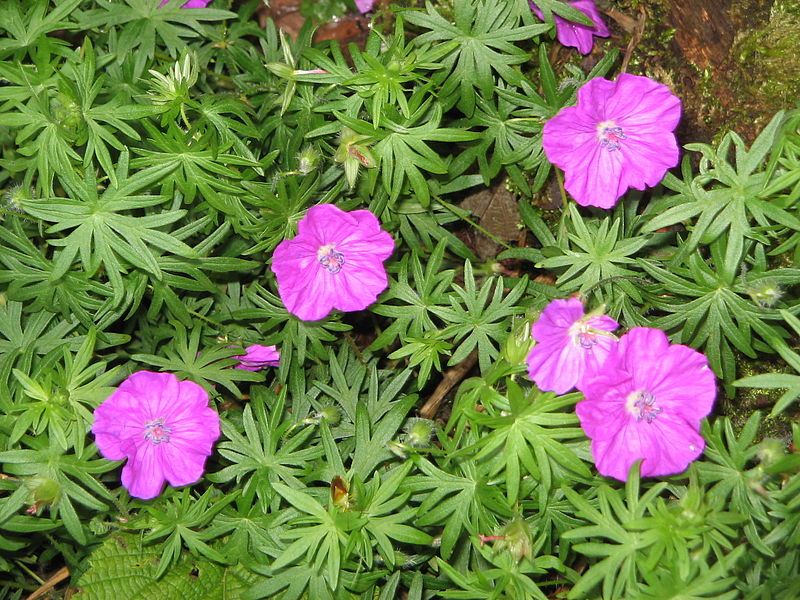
[450,379]
[636,37]
[57,577]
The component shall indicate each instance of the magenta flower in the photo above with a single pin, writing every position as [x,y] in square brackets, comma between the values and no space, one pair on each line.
[164,427]
[365,5]
[256,357]
[647,403]
[576,35]
[570,345]
[618,136]
[336,261]
[190,3]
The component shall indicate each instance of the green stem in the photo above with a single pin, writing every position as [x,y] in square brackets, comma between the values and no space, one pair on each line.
[635,278]
[30,573]
[216,324]
[562,225]
[560,179]
[185,119]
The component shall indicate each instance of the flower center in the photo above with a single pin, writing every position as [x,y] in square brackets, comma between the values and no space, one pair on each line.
[610,135]
[329,258]
[582,335]
[156,432]
[642,405]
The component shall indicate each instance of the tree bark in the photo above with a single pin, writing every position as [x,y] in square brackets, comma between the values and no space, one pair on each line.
[704,31]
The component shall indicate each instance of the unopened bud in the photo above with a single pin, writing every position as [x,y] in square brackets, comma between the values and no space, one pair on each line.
[307,160]
[765,293]
[770,451]
[15,197]
[419,432]
[516,539]
[353,153]
[282,70]
[518,344]
[44,491]
[331,415]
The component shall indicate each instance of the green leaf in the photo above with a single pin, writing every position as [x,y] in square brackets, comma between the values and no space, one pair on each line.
[123,568]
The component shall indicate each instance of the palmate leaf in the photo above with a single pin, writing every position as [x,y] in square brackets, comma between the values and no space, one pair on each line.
[195,168]
[403,145]
[27,22]
[24,83]
[45,145]
[483,34]
[705,309]
[29,277]
[516,580]
[301,339]
[103,232]
[102,122]
[716,583]
[75,472]
[266,454]
[411,297]
[726,470]
[373,435]
[225,122]
[600,255]
[320,535]
[23,338]
[357,386]
[387,514]
[463,499]
[184,521]
[507,139]
[61,120]
[60,394]
[207,366]
[620,568]
[479,319]
[383,73]
[740,197]
[529,433]
[773,381]
[423,228]
[249,532]
[280,207]
[142,22]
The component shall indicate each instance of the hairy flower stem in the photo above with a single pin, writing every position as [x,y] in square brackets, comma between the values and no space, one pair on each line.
[562,225]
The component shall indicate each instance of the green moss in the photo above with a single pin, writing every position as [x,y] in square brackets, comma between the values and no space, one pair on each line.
[749,400]
[760,76]
[770,61]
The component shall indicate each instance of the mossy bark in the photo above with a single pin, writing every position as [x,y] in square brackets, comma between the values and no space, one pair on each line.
[733,62]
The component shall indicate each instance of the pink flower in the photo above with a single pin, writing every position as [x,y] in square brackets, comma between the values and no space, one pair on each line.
[618,136]
[336,261]
[164,427]
[190,3]
[570,345]
[577,35]
[647,403]
[256,357]
[365,5]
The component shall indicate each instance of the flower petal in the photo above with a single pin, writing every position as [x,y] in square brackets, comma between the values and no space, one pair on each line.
[597,179]
[182,464]
[142,475]
[639,102]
